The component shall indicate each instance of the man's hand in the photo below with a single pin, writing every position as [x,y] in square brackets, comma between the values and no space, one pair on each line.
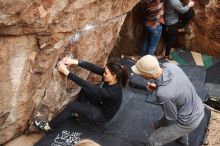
[191,3]
[151,87]
[70,61]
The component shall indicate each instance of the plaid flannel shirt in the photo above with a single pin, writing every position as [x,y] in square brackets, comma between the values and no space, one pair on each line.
[153,12]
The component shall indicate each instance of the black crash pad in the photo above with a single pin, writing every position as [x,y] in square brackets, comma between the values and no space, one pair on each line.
[213,85]
[197,75]
[129,127]
[213,73]
[213,80]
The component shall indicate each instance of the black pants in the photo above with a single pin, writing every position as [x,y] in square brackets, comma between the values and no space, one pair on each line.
[90,110]
[185,18]
[170,32]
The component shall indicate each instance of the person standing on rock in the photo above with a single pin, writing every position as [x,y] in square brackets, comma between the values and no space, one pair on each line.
[153,13]
[183,108]
[102,100]
[173,9]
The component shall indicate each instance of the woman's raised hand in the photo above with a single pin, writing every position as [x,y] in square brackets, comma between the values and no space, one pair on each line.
[70,61]
[62,68]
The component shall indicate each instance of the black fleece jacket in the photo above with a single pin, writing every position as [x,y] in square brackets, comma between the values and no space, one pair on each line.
[109,96]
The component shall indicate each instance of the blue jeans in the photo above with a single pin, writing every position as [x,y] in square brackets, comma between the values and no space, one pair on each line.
[151,40]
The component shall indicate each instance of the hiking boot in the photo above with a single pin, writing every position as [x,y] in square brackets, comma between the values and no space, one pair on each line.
[168,58]
[160,56]
[43,126]
[182,143]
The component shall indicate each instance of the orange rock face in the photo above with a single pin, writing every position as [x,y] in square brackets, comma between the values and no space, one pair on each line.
[204,29]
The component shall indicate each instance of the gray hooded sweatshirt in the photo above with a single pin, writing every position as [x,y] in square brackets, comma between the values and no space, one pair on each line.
[181,102]
[172,10]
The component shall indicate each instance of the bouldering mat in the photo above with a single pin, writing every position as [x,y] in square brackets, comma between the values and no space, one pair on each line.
[129,127]
[213,85]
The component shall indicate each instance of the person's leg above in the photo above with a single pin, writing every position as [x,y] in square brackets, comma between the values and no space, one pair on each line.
[183,140]
[170,34]
[186,18]
[144,50]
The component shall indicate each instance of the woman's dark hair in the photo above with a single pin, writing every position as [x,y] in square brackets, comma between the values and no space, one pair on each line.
[119,70]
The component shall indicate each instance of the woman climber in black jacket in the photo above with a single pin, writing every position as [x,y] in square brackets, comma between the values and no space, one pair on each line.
[104,99]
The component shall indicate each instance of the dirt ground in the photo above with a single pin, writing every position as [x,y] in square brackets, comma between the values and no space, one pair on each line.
[25,140]
[213,138]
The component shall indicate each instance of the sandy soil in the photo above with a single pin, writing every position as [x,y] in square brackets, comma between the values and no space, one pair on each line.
[213,138]
[25,140]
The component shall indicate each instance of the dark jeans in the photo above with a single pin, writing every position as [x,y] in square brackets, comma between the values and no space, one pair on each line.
[90,110]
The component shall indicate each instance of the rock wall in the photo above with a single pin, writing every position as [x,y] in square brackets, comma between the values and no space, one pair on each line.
[131,36]
[204,32]
[34,35]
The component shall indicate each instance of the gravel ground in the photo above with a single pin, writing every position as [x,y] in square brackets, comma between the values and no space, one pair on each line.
[213,138]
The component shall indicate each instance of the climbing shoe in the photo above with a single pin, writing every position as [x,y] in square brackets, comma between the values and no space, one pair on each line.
[182,143]
[168,57]
[75,116]
[44,126]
